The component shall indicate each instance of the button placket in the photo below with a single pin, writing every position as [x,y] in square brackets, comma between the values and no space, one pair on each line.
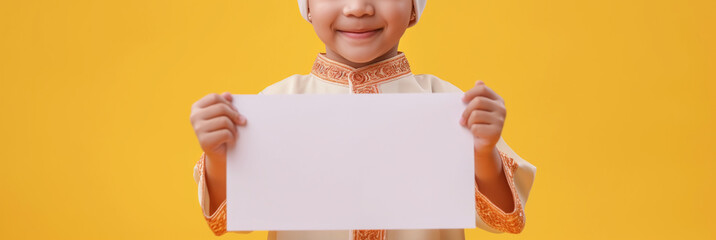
[351,82]
[358,84]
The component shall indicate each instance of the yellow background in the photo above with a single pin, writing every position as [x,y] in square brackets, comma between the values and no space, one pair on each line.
[612,100]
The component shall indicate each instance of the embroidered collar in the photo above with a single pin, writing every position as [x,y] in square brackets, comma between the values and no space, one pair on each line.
[364,79]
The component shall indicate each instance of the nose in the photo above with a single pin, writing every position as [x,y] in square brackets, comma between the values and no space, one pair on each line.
[358,8]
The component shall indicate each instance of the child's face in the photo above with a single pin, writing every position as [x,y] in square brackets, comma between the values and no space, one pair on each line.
[360,30]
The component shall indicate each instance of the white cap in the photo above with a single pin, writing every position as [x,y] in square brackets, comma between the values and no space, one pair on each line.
[419,6]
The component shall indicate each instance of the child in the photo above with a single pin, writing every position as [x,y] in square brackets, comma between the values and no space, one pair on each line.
[361,38]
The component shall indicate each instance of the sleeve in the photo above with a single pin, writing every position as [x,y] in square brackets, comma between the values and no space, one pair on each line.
[216,220]
[520,176]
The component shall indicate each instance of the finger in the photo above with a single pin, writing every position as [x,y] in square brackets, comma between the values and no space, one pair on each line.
[480,103]
[214,124]
[480,117]
[242,120]
[473,117]
[481,130]
[211,140]
[209,100]
[220,109]
[230,99]
[228,96]
[480,89]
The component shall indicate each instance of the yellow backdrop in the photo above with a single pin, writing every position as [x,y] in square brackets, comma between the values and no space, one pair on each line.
[612,100]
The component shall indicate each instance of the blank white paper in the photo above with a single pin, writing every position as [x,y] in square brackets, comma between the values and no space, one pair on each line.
[339,162]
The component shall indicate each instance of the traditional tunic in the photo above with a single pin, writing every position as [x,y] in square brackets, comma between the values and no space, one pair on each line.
[388,76]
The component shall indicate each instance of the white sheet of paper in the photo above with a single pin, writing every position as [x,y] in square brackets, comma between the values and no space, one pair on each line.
[338,162]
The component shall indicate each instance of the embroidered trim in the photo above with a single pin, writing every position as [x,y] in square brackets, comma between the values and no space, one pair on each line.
[510,162]
[365,79]
[368,234]
[492,215]
[217,221]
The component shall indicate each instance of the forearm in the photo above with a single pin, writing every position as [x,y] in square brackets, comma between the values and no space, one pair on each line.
[216,182]
[491,180]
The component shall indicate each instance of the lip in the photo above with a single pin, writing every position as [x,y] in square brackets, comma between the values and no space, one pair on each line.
[360,34]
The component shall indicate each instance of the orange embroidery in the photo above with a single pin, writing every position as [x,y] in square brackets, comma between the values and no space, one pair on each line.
[492,215]
[362,86]
[368,234]
[365,79]
[509,162]
[217,221]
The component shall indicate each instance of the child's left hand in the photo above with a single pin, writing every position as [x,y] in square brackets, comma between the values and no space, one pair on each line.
[484,116]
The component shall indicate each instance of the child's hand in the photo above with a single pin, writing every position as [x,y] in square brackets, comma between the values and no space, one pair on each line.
[214,119]
[484,116]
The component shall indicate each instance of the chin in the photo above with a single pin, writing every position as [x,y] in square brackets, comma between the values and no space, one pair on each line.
[358,56]
[361,59]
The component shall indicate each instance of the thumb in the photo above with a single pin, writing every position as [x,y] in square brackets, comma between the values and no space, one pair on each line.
[227,96]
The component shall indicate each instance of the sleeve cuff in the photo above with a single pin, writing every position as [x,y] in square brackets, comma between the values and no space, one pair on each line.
[217,220]
[493,216]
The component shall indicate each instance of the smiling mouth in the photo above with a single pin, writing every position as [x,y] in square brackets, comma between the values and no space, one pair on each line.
[360,34]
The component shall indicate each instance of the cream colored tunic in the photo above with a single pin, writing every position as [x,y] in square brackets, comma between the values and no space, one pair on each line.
[389,76]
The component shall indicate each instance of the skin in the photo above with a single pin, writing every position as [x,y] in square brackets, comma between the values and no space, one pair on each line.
[214,119]
[331,19]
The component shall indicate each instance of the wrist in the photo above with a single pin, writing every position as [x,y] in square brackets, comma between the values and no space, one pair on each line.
[488,165]
[486,151]
[215,166]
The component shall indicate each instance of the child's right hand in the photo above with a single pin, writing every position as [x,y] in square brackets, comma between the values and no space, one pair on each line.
[214,119]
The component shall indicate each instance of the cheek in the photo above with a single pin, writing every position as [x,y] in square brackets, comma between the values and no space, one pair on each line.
[396,26]
[397,13]
[324,14]
[323,31]
[397,18]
